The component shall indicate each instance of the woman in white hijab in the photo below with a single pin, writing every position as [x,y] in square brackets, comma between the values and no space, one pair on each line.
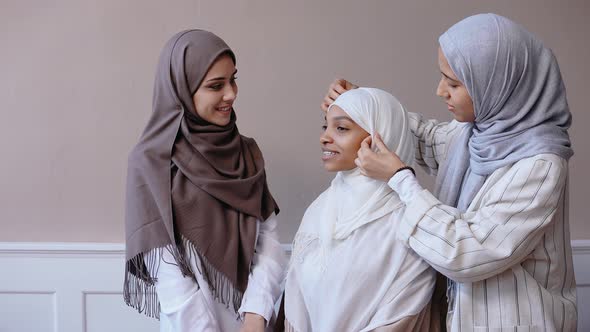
[497,223]
[346,274]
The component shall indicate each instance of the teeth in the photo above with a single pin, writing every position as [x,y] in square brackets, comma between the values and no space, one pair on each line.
[224,109]
[329,153]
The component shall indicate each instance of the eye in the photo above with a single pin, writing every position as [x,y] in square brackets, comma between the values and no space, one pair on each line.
[233,79]
[324,127]
[216,87]
[341,129]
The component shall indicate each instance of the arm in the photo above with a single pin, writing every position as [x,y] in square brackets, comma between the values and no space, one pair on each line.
[509,223]
[431,142]
[431,137]
[267,273]
[182,303]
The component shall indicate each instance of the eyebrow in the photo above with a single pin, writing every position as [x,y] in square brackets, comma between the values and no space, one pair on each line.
[452,79]
[342,117]
[221,78]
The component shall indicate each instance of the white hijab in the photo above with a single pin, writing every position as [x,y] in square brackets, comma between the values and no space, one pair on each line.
[347,272]
[354,199]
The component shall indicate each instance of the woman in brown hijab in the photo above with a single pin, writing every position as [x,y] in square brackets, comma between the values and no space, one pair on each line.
[202,250]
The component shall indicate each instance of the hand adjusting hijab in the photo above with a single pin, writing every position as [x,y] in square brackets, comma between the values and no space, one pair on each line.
[193,188]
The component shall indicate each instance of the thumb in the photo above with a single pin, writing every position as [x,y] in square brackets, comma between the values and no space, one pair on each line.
[380,145]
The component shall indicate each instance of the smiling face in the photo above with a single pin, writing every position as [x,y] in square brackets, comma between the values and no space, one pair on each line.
[215,96]
[340,140]
[453,92]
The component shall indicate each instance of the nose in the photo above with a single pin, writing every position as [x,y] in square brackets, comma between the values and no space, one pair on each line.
[441,90]
[325,138]
[230,92]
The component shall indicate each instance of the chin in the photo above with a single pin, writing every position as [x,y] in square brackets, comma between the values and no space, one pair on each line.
[331,167]
[220,122]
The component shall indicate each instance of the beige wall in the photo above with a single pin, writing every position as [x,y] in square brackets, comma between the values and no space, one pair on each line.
[76,80]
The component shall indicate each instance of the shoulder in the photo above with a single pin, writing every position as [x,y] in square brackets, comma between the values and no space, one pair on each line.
[542,172]
[248,140]
[548,162]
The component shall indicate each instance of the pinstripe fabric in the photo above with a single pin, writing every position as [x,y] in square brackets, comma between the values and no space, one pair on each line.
[509,253]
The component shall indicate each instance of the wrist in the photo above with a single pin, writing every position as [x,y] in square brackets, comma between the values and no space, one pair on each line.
[402,168]
[250,316]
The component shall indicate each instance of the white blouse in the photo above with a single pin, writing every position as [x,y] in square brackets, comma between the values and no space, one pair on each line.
[361,283]
[187,307]
[509,253]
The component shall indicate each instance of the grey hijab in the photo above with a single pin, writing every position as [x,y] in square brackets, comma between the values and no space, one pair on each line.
[519,101]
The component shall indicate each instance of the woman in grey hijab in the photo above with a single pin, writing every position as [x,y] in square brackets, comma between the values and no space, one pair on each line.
[201,242]
[497,223]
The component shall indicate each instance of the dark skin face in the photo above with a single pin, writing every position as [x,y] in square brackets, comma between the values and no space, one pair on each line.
[340,140]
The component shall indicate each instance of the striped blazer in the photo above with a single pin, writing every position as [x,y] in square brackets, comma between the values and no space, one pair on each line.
[510,253]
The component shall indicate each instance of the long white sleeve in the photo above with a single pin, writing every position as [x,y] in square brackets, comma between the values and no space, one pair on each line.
[187,307]
[183,306]
[268,271]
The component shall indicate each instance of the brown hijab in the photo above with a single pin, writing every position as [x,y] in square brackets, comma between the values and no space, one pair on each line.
[193,188]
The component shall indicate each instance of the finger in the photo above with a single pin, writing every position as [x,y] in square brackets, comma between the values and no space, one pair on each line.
[334,94]
[379,143]
[328,100]
[324,106]
[338,82]
[340,88]
[361,154]
[366,143]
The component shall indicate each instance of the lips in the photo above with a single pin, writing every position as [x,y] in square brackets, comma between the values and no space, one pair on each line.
[328,154]
[226,110]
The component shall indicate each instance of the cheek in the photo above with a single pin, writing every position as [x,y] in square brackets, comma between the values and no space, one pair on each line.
[466,99]
[353,145]
[204,105]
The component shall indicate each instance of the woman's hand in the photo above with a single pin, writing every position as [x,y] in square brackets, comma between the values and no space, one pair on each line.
[253,323]
[338,87]
[379,165]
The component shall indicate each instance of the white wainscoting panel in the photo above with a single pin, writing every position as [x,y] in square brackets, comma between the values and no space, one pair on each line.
[77,287]
[581,249]
[83,282]
[30,311]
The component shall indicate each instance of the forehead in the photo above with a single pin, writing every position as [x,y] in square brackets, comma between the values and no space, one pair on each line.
[337,113]
[223,65]
[444,66]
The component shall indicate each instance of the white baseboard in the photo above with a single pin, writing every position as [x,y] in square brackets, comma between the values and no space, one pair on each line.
[73,287]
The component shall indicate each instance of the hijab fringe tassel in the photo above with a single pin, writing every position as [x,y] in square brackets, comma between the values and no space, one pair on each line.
[139,290]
